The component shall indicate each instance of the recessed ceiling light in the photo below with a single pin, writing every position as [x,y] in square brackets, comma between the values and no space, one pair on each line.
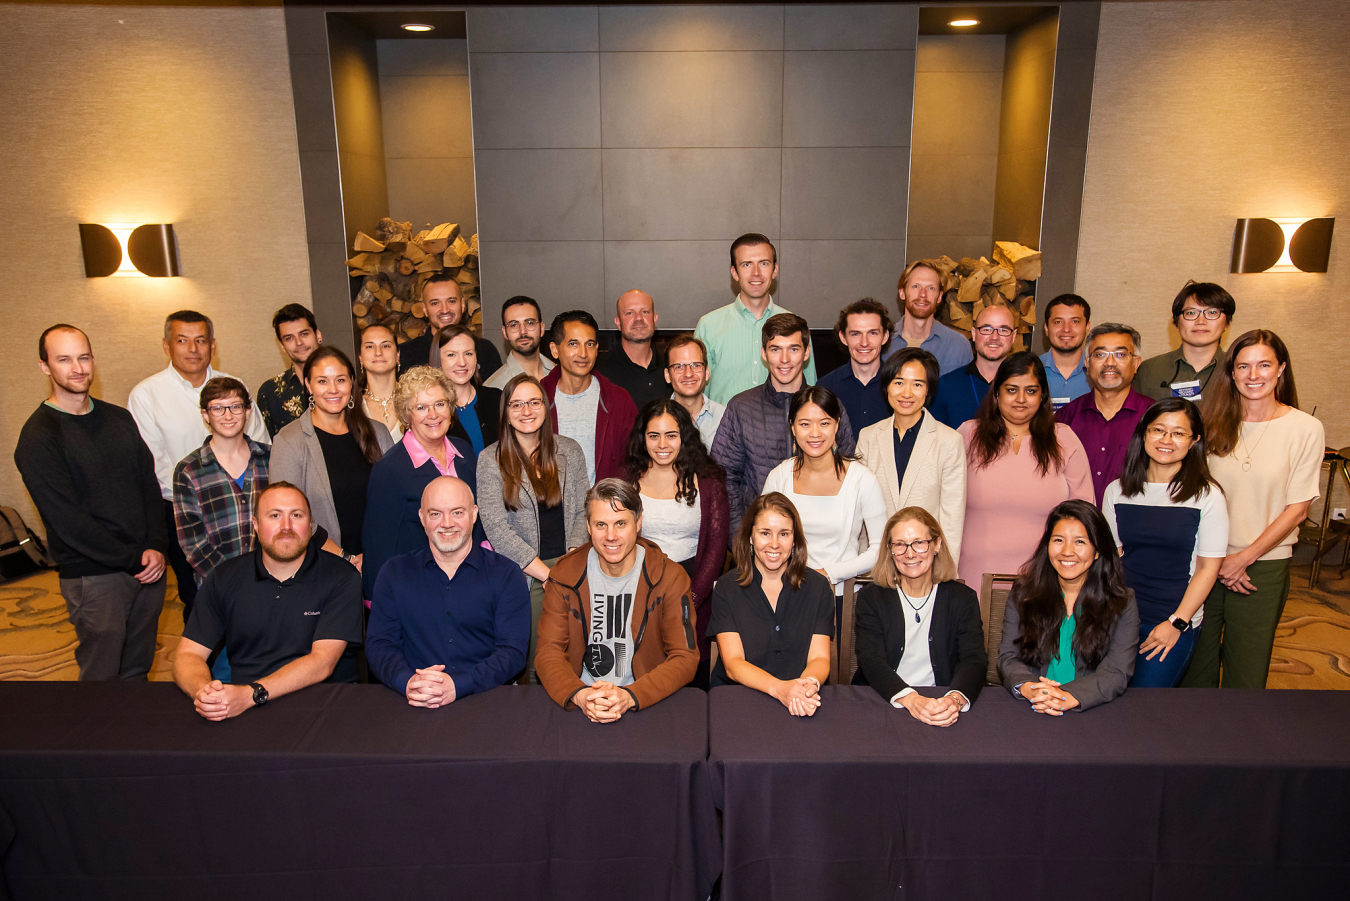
[417,27]
[956,23]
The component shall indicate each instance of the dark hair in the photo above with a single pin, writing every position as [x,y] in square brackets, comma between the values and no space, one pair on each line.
[445,275]
[1193,479]
[541,466]
[1068,300]
[752,239]
[617,494]
[59,327]
[1115,328]
[355,416]
[1040,600]
[784,325]
[557,331]
[279,483]
[292,312]
[520,299]
[692,461]
[866,306]
[891,366]
[743,551]
[223,386]
[829,403]
[685,340]
[1221,407]
[189,317]
[1207,294]
[991,434]
[456,330]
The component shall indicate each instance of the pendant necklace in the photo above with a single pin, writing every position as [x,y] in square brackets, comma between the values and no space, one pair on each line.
[1242,439]
[920,606]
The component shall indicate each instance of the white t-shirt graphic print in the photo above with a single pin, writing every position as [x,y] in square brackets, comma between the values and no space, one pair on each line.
[609,642]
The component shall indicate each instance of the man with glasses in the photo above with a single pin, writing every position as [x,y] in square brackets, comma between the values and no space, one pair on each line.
[687,375]
[1202,312]
[523,329]
[961,391]
[1105,418]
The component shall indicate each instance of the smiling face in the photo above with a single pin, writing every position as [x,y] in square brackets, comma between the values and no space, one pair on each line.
[282,523]
[429,415]
[1019,398]
[70,361]
[522,328]
[1066,327]
[448,514]
[444,303]
[379,353]
[921,292]
[814,430]
[1256,371]
[786,356]
[771,541]
[614,532]
[226,416]
[1071,551]
[330,384]
[299,340]
[576,354]
[1168,438]
[997,344]
[1112,361]
[908,390]
[864,338]
[663,439]
[190,348]
[686,370]
[910,562]
[459,359]
[635,317]
[525,409]
[1200,331]
[755,270]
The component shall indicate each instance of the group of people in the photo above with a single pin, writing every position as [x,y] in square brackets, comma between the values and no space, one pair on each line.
[472,520]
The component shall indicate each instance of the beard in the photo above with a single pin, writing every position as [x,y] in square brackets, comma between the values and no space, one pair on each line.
[274,549]
[526,346]
[450,544]
[1065,349]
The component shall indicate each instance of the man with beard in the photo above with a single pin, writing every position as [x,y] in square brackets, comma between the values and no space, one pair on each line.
[282,398]
[635,366]
[1067,320]
[1105,419]
[920,291]
[451,619]
[523,329]
[961,391]
[287,611]
[444,300]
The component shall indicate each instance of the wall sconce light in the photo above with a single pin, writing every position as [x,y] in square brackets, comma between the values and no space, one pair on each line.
[136,251]
[1282,245]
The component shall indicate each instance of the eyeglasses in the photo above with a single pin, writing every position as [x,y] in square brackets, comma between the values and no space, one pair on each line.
[222,409]
[1003,331]
[1210,313]
[1157,433]
[1120,356]
[919,547]
[520,406]
[517,324]
[679,368]
[440,406]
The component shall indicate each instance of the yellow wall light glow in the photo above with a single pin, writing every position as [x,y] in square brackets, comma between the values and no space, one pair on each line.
[127,250]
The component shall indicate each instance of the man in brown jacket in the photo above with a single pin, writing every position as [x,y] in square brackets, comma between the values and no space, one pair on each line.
[617,629]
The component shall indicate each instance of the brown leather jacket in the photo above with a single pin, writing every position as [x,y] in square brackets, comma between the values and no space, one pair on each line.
[666,651]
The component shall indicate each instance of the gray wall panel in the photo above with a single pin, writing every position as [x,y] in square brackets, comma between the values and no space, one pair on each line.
[691,27]
[686,278]
[864,26]
[820,277]
[561,275]
[536,99]
[538,195]
[858,98]
[690,193]
[525,29]
[845,192]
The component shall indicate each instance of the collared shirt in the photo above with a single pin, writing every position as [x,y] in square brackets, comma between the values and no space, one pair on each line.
[733,337]
[267,623]
[476,624]
[708,419]
[952,348]
[212,512]
[865,403]
[1105,441]
[1063,390]
[512,368]
[281,399]
[1169,375]
[419,454]
[776,639]
[643,383]
[903,445]
[168,413]
[959,395]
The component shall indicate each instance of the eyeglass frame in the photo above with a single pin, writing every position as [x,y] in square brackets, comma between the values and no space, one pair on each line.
[1194,313]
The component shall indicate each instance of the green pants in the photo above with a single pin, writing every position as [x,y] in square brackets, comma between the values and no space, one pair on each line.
[1239,630]
[536,608]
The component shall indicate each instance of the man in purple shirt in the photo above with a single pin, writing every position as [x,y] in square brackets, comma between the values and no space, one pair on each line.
[1105,418]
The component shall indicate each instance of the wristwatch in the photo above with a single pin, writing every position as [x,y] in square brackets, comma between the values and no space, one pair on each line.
[259,693]
[1181,625]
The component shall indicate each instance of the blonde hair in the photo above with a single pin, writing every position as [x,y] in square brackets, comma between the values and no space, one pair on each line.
[944,567]
[414,382]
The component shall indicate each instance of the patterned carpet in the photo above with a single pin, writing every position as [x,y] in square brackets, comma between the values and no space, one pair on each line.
[1312,647]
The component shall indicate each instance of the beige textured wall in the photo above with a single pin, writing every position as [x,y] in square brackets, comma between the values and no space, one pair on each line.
[1203,113]
[1024,132]
[139,114]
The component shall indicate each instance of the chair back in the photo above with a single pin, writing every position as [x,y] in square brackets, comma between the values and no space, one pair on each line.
[994,591]
[843,652]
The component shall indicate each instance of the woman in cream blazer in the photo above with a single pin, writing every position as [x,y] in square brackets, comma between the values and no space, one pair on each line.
[934,476]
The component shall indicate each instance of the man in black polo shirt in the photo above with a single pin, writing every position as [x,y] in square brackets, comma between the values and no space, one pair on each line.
[287,611]
[635,366]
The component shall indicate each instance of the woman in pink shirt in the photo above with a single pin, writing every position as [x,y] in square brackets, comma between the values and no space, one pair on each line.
[1020,464]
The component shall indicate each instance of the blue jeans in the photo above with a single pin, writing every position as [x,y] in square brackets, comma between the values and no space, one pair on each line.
[1159,673]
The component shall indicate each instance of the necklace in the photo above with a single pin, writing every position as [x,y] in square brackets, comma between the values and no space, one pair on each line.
[384,402]
[916,608]
[1242,439]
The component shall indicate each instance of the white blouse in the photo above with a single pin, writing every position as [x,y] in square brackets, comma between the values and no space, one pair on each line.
[672,526]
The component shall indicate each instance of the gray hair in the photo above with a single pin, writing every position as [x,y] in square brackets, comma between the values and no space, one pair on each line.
[1116,328]
[617,493]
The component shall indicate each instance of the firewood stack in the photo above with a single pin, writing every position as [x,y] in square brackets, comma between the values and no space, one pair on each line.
[969,285]
[396,264]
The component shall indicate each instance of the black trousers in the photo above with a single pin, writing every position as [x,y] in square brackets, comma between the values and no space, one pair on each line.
[182,570]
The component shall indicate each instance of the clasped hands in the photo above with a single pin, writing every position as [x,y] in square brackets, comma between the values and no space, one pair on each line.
[1046,696]
[800,696]
[941,711]
[431,687]
[217,701]
[603,702]
[1233,572]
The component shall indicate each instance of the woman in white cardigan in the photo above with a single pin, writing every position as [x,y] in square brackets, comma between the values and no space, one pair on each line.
[919,461]
[835,496]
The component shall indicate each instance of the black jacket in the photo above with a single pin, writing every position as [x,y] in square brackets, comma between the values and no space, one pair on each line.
[488,406]
[955,640]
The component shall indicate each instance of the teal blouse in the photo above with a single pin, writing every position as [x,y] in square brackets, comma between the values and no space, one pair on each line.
[1062,669]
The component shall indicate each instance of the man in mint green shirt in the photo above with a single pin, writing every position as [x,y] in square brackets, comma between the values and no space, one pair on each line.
[732,333]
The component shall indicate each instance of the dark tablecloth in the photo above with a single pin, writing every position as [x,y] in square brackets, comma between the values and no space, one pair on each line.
[1162,794]
[121,791]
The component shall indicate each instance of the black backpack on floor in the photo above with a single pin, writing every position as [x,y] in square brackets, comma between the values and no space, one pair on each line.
[21,550]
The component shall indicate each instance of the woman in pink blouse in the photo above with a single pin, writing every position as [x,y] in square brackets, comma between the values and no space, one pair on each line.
[1020,464]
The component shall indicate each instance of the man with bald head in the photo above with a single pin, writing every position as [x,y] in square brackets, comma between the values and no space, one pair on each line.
[634,365]
[453,618]
[960,391]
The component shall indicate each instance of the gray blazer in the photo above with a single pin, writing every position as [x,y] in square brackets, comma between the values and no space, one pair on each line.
[1106,683]
[515,533]
[297,458]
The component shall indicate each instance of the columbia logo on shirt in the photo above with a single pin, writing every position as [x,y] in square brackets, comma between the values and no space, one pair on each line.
[313,612]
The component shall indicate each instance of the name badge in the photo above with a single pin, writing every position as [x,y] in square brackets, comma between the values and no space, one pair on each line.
[1059,401]
[1188,390]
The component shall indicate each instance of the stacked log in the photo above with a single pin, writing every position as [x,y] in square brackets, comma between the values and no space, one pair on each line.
[969,285]
[396,264]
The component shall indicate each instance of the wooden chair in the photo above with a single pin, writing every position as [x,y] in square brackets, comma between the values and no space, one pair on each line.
[844,652]
[994,590]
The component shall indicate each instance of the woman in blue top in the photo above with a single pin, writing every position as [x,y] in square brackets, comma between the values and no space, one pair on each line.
[1171,524]
[477,408]
[1070,626]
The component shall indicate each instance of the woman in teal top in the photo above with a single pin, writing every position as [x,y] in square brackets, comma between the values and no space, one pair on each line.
[1070,628]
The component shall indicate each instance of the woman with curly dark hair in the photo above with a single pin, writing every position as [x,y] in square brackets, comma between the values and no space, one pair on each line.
[684,501]
[1071,628]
